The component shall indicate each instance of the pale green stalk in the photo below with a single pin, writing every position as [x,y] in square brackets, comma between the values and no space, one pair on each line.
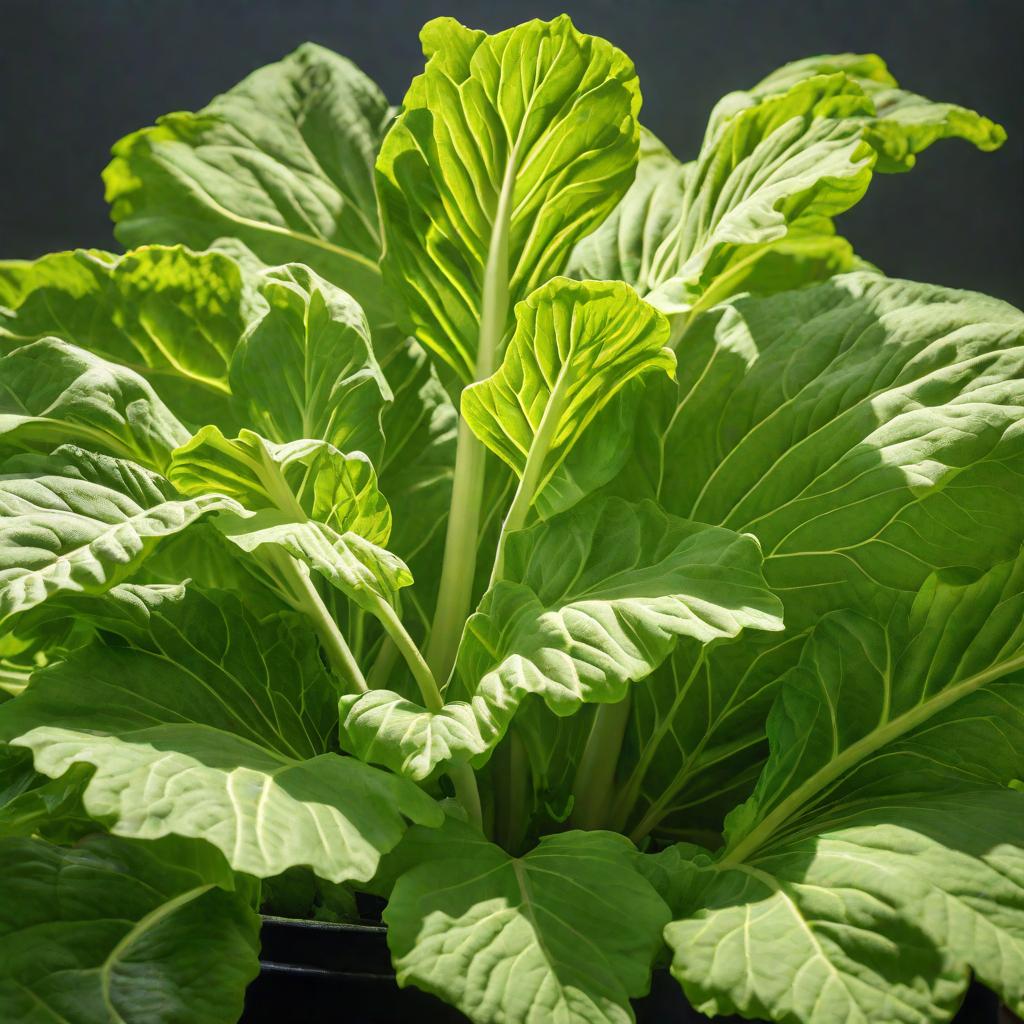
[593,787]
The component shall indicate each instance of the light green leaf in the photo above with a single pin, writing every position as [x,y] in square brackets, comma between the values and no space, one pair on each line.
[306,369]
[75,522]
[308,479]
[283,162]
[209,723]
[171,315]
[754,212]
[565,934]
[110,932]
[591,601]
[883,826]
[52,392]
[576,345]
[868,433]
[488,177]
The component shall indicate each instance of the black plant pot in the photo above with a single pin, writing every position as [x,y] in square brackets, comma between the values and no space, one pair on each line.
[312,972]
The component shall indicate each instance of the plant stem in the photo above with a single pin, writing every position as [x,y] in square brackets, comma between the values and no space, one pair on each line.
[382,666]
[595,776]
[460,548]
[306,599]
[541,445]
[466,790]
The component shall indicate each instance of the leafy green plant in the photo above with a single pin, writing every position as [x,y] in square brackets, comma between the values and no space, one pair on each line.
[476,506]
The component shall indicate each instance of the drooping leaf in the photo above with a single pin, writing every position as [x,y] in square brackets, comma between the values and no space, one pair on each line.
[306,368]
[77,522]
[52,392]
[590,602]
[110,932]
[283,162]
[868,433]
[882,848]
[171,315]
[488,172]
[576,345]
[566,933]
[206,722]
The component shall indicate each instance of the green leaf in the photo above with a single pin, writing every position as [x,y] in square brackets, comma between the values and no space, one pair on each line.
[591,601]
[171,315]
[52,392]
[576,345]
[309,479]
[206,722]
[306,369]
[867,432]
[111,932]
[754,211]
[881,853]
[488,177]
[566,933]
[283,162]
[75,522]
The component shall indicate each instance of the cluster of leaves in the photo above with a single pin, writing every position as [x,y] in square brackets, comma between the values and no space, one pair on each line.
[715,645]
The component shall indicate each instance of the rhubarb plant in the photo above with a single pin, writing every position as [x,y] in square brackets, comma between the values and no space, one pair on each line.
[472,504]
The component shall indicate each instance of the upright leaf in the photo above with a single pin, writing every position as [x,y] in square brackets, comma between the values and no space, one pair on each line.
[489,176]
[565,934]
[283,162]
[576,345]
[111,931]
[52,392]
[206,722]
[305,369]
[172,315]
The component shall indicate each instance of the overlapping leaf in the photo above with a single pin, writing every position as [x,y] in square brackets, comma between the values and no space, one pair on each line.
[867,432]
[211,724]
[52,392]
[564,934]
[172,315]
[880,855]
[590,602]
[489,176]
[576,345]
[112,931]
[306,369]
[77,522]
[283,162]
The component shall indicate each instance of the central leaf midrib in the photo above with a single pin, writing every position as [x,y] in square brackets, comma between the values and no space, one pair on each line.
[856,752]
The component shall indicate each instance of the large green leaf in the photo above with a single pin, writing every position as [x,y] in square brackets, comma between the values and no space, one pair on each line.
[77,522]
[881,853]
[306,369]
[755,210]
[172,315]
[283,162]
[489,176]
[565,934]
[590,602]
[576,345]
[114,932]
[867,432]
[206,722]
[52,392]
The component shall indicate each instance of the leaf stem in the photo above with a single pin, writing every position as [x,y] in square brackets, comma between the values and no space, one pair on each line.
[460,548]
[306,599]
[593,787]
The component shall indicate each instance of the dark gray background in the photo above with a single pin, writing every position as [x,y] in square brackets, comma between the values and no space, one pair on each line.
[75,75]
